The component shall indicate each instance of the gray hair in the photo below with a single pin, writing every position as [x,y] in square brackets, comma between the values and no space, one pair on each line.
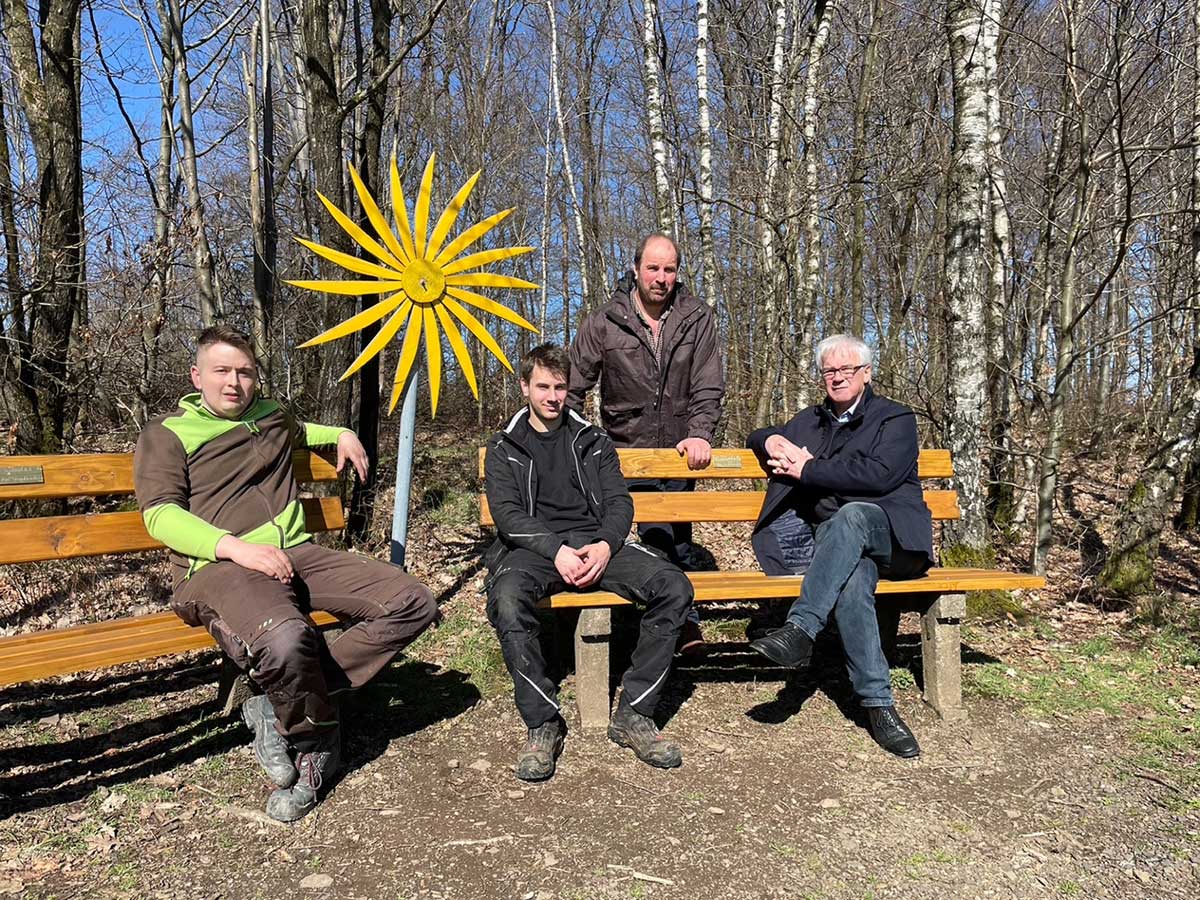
[848,341]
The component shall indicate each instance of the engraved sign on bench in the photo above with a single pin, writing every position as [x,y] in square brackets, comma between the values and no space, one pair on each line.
[21,475]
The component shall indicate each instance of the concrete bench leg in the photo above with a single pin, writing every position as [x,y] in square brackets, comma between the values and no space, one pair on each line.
[941,655]
[592,636]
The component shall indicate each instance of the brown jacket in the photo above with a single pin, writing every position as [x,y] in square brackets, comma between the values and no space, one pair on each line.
[641,404]
[199,477]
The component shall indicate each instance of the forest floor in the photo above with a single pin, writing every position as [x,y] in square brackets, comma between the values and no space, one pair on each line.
[1077,772]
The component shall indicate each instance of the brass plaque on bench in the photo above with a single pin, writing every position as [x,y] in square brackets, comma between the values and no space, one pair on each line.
[726,462]
[21,475]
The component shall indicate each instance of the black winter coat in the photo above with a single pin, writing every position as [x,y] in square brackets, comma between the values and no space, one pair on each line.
[872,459]
[511,485]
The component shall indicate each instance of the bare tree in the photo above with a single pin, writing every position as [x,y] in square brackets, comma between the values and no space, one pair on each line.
[965,289]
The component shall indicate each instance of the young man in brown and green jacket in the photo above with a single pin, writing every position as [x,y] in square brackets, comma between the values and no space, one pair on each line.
[214,482]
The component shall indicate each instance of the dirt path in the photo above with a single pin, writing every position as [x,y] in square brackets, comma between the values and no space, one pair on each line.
[147,794]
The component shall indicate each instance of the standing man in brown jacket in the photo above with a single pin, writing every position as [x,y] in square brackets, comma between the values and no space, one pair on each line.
[653,348]
[214,482]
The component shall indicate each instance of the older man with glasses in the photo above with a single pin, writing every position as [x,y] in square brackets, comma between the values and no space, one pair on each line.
[844,506]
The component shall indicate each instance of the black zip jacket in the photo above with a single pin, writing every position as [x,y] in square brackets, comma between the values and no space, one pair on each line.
[511,485]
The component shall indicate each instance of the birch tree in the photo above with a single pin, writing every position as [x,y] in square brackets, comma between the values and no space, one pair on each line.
[965,288]
[705,177]
[664,204]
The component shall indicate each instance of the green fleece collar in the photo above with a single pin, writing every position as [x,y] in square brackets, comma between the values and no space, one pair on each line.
[197,425]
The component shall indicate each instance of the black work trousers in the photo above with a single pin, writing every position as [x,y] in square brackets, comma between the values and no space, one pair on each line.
[635,572]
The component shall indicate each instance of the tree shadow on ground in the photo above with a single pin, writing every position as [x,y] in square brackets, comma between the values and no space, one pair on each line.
[403,699]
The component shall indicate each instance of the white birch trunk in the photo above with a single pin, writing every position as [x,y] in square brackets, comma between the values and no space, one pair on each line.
[808,265]
[766,221]
[965,288]
[707,249]
[663,202]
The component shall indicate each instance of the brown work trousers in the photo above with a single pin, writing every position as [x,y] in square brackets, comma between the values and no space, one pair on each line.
[261,624]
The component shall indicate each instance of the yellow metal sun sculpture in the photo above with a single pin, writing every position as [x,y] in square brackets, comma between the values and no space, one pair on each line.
[426,281]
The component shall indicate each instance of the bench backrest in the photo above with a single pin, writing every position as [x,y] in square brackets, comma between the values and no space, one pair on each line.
[728,506]
[111,474]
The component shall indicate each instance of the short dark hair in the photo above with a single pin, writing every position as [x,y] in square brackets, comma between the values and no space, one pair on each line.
[549,356]
[226,334]
[641,247]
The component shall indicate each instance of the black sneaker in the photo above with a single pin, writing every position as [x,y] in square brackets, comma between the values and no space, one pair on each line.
[314,767]
[891,733]
[543,744]
[788,646]
[270,747]
[631,729]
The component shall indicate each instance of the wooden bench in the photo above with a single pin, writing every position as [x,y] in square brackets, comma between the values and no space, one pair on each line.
[64,651]
[939,596]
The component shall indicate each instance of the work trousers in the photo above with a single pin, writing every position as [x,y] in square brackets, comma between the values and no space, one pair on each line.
[261,624]
[522,578]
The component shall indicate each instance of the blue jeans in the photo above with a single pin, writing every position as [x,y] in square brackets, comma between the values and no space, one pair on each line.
[852,550]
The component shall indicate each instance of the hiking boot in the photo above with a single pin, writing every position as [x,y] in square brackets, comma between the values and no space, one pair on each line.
[691,639]
[631,729]
[891,733]
[270,747]
[789,646]
[535,762]
[314,767]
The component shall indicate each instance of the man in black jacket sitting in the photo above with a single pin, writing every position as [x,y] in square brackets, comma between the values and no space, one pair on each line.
[844,501]
[562,514]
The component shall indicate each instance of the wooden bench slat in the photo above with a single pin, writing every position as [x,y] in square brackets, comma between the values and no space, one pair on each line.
[86,647]
[105,474]
[723,506]
[731,463]
[747,585]
[69,537]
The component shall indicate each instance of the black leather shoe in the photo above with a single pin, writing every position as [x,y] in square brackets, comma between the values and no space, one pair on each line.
[891,733]
[789,646]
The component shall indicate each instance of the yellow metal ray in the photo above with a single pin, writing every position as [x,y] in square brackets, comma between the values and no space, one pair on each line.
[481,333]
[408,353]
[450,216]
[378,222]
[471,235]
[489,280]
[433,358]
[421,214]
[478,260]
[358,322]
[377,343]
[346,261]
[400,212]
[459,346]
[349,288]
[364,240]
[488,305]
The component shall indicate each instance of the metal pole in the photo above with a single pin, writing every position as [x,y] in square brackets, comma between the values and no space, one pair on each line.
[404,457]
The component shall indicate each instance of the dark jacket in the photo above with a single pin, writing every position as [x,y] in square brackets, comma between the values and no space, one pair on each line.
[872,459]
[641,404]
[511,485]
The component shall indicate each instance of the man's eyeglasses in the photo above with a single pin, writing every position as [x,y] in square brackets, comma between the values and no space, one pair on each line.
[844,371]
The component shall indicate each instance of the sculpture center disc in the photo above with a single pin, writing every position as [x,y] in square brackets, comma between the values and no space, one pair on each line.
[423,281]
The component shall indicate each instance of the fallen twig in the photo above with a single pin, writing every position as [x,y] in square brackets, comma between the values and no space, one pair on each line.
[499,839]
[640,876]
[252,815]
[1150,777]
[736,734]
